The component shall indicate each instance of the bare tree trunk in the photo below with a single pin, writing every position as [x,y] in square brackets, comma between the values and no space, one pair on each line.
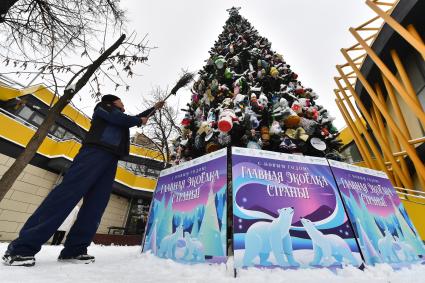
[25,157]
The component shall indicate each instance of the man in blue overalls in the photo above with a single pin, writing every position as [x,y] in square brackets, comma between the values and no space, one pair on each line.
[90,177]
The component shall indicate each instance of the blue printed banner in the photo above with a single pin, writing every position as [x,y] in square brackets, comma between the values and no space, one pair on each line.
[384,231]
[188,216]
[287,213]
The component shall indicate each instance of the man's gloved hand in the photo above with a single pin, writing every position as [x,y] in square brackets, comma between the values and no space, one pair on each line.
[159,105]
[144,120]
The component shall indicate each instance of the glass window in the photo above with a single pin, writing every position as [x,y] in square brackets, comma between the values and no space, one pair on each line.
[25,112]
[352,153]
[137,217]
[59,132]
[37,119]
[68,136]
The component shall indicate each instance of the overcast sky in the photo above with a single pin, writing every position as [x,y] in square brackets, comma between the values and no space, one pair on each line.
[309,34]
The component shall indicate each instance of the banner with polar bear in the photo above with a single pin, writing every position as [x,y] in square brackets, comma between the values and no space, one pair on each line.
[385,232]
[287,213]
[188,216]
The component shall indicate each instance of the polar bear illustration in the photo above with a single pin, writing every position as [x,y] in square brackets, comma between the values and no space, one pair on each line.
[327,246]
[167,247]
[407,250]
[194,249]
[386,247]
[265,237]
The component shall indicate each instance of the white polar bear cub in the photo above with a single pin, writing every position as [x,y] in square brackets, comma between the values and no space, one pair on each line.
[167,248]
[265,237]
[194,249]
[327,246]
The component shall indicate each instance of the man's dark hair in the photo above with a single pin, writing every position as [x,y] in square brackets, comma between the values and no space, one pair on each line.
[109,98]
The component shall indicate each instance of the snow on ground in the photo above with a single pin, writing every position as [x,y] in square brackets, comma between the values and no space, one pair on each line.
[126,264]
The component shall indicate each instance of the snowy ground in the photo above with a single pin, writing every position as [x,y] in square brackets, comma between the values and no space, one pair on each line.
[126,264]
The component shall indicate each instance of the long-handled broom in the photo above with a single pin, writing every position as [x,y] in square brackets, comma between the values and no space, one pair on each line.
[184,80]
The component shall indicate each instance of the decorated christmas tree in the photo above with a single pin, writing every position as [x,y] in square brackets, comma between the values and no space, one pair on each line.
[248,96]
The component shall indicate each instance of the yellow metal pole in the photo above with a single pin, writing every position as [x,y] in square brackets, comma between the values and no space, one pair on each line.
[411,28]
[404,77]
[396,107]
[420,167]
[366,134]
[386,71]
[374,113]
[354,131]
[406,181]
[384,132]
[419,46]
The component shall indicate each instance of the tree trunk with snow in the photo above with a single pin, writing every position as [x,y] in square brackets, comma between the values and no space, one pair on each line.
[29,152]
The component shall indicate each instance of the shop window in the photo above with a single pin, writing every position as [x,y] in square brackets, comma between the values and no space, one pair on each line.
[137,216]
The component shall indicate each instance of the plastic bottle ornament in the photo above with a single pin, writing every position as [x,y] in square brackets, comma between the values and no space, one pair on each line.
[219,62]
[209,133]
[211,118]
[305,102]
[263,101]
[265,135]
[195,98]
[261,73]
[298,134]
[299,90]
[324,132]
[225,122]
[275,129]
[308,125]
[274,72]
[254,121]
[253,145]
[228,74]
[186,120]
[212,146]
[291,119]
[296,106]
[287,144]
[312,113]
[199,142]
[203,128]
[240,85]
[214,85]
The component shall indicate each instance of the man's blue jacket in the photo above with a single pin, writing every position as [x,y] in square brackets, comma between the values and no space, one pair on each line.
[110,128]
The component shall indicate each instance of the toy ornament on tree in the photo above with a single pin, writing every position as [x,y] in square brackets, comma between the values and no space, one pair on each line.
[248,96]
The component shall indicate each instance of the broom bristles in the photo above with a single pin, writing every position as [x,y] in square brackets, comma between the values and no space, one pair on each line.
[185,79]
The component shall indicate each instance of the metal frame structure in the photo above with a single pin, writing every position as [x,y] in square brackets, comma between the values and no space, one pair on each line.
[384,126]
